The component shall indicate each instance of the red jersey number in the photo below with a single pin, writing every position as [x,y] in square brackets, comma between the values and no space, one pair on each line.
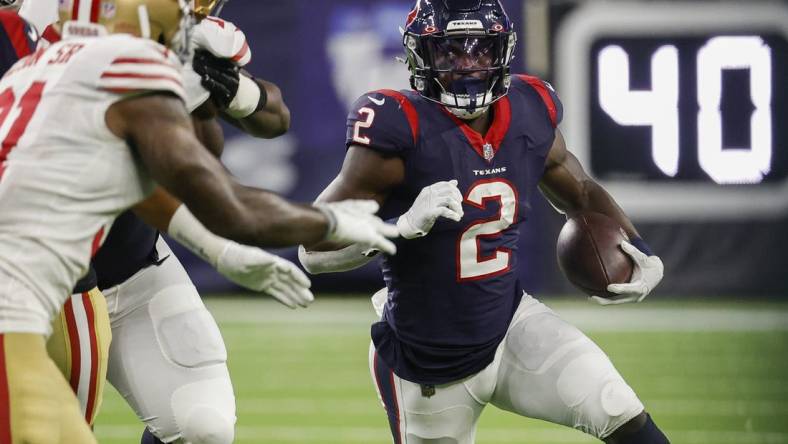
[27,106]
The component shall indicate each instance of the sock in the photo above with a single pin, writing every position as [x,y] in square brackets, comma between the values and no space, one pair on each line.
[148,438]
[648,434]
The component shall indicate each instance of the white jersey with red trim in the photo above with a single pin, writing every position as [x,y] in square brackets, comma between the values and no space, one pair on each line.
[63,175]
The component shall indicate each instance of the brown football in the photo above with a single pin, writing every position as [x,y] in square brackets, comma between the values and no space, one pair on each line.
[590,255]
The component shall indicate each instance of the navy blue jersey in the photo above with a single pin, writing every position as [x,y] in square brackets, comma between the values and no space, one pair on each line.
[130,247]
[17,39]
[453,292]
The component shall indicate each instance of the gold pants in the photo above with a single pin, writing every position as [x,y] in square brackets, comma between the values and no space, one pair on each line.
[37,405]
[79,346]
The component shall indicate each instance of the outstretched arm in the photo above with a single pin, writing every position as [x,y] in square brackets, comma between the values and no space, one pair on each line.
[158,128]
[367,174]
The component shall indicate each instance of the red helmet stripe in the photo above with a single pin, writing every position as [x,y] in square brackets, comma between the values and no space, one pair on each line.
[412,15]
[75,10]
[94,11]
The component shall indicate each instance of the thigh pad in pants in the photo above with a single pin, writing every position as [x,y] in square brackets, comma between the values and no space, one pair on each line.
[550,370]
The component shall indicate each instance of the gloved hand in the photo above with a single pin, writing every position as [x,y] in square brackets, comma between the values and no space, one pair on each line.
[647,274]
[441,199]
[220,77]
[354,222]
[222,39]
[221,50]
[258,270]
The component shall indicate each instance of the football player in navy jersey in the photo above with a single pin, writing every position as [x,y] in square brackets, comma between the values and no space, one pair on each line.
[457,163]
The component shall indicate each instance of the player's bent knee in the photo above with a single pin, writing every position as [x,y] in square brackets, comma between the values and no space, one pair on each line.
[592,388]
[207,425]
[186,331]
[205,411]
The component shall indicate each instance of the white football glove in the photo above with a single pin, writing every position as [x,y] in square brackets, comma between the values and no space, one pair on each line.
[258,270]
[354,222]
[222,39]
[441,199]
[647,274]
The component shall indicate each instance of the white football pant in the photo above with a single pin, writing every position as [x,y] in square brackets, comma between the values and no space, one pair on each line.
[544,368]
[167,357]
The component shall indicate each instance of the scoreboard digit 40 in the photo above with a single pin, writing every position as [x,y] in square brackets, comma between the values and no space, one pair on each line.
[680,109]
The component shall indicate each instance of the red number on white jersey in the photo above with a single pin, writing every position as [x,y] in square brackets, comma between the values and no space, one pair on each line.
[366,123]
[471,265]
[27,106]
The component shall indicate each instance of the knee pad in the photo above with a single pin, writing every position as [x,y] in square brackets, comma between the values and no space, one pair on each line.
[205,411]
[185,330]
[206,425]
[593,389]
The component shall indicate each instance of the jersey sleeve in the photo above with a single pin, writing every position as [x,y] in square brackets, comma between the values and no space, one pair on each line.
[385,121]
[141,67]
[15,39]
[553,105]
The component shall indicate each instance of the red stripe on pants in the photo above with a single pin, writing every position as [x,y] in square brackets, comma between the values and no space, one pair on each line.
[94,358]
[73,339]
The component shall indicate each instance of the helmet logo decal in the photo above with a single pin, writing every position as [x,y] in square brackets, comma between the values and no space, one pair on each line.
[465,24]
[108,9]
[430,29]
[497,27]
[412,15]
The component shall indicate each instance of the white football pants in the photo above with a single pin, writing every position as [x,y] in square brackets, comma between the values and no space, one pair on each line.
[544,368]
[167,357]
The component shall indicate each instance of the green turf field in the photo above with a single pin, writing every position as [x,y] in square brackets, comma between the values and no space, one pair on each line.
[709,372]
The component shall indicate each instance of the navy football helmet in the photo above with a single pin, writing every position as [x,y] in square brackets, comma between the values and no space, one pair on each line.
[459,53]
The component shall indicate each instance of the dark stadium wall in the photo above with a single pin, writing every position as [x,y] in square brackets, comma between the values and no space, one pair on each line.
[324,54]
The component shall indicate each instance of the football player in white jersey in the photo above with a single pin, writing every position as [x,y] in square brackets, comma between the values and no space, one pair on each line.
[135,278]
[62,182]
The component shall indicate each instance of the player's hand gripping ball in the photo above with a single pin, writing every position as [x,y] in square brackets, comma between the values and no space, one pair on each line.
[590,255]
[596,256]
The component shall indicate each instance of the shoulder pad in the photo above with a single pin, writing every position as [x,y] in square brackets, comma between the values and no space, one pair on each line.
[552,103]
[141,66]
[384,120]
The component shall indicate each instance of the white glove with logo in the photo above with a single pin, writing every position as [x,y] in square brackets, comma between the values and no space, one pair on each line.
[222,39]
[647,274]
[258,270]
[441,199]
[354,222]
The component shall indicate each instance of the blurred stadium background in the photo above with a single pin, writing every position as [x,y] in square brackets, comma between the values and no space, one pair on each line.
[694,146]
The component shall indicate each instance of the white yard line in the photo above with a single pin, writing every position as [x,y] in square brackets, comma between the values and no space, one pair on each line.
[375,435]
[644,318]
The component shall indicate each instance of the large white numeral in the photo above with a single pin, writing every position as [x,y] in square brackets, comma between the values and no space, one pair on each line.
[471,265]
[657,107]
[742,164]
[369,114]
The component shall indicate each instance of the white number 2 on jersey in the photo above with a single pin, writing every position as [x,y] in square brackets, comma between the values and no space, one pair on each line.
[471,265]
